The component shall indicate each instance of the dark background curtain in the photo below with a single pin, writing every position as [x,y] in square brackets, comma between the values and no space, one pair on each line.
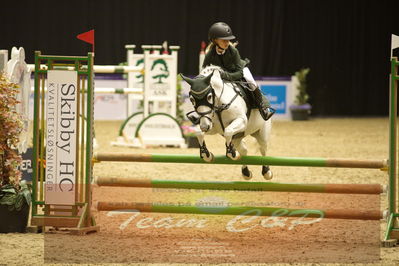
[346,44]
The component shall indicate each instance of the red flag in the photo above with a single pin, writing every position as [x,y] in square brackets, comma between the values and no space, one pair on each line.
[87,37]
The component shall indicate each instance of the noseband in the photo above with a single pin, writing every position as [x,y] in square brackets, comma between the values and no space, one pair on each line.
[202,102]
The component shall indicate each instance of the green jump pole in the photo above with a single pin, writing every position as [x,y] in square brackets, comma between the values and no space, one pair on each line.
[392,227]
[248,211]
[239,185]
[244,160]
[393,113]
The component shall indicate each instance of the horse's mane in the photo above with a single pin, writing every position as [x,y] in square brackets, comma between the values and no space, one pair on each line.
[206,71]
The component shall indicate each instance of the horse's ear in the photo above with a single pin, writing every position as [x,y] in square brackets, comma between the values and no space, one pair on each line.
[208,78]
[217,73]
[188,80]
[216,80]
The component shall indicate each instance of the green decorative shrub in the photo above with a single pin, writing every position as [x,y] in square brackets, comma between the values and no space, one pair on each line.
[12,192]
[302,97]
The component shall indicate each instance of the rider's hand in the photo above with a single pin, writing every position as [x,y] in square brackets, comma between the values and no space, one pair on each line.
[224,75]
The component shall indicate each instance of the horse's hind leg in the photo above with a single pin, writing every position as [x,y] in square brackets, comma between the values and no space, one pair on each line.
[242,149]
[261,137]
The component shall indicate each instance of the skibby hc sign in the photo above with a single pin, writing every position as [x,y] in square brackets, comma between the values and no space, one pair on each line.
[61,126]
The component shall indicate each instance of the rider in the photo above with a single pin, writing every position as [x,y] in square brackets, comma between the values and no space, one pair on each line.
[221,52]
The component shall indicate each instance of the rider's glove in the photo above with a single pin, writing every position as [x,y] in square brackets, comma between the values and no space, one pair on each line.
[224,75]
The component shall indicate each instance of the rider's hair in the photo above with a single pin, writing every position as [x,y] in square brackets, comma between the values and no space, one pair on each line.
[211,44]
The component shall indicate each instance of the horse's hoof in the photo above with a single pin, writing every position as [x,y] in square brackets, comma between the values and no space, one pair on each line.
[234,156]
[267,173]
[207,159]
[246,174]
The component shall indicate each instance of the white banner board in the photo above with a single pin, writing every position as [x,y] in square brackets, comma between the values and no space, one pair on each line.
[61,126]
[161,129]
[394,43]
[136,79]
[109,106]
[161,80]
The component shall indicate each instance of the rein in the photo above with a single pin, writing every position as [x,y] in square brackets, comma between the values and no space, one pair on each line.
[219,109]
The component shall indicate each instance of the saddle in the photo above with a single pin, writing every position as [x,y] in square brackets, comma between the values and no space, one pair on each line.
[245,93]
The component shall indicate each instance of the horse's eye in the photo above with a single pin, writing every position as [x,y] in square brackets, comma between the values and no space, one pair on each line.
[209,98]
[192,100]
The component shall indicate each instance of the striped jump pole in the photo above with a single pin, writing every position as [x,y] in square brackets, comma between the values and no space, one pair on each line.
[111,90]
[110,69]
[119,90]
[245,160]
[239,185]
[249,211]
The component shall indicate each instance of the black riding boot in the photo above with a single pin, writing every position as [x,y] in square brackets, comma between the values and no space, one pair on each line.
[263,104]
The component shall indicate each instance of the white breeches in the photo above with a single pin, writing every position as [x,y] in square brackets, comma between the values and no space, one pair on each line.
[250,79]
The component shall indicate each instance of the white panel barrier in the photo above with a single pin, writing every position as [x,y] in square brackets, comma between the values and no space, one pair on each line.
[159,82]
[3,60]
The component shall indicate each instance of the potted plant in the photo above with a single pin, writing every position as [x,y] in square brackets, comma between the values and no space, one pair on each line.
[300,110]
[15,197]
[190,136]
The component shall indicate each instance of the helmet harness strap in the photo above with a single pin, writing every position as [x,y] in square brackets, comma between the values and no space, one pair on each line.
[219,47]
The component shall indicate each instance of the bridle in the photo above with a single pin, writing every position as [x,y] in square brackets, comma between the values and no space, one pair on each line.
[213,108]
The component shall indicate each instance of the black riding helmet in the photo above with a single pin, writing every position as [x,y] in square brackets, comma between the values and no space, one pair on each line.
[220,30]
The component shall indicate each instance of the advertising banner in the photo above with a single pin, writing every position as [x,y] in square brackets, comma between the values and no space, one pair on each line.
[61,126]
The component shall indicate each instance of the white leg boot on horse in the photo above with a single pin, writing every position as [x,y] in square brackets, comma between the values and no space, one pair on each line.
[205,154]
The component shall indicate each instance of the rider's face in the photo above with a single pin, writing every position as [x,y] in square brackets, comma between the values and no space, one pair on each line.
[222,43]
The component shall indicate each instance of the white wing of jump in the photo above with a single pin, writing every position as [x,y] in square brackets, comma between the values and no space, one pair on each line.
[394,43]
[18,72]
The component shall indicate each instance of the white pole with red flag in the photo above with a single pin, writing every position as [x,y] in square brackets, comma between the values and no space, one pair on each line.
[87,37]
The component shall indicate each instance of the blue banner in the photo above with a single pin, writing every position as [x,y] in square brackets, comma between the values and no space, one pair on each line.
[277,96]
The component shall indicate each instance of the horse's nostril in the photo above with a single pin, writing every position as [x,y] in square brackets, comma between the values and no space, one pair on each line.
[204,128]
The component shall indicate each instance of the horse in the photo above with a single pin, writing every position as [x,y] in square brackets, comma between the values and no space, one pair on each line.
[222,109]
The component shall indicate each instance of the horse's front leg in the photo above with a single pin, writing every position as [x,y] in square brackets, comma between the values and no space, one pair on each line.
[238,125]
[205,154]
